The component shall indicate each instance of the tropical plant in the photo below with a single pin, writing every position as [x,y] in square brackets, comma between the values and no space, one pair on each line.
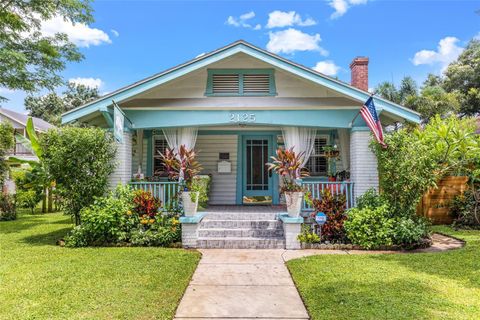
[38,177]
[465,209]
[146,204]
[182,165]
[7,207]
[333,205]
[288,165]
[80,161]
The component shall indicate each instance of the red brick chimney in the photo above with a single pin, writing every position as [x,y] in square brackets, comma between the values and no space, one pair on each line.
[359,72]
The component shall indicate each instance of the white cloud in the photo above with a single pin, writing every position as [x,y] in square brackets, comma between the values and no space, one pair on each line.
[88,82]
[291,40]
[280,19]
[447,51]
[341,6]
[242,21]
[114,32]
[327,67]
[79,33]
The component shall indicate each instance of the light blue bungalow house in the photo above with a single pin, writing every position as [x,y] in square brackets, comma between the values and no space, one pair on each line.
[235,106]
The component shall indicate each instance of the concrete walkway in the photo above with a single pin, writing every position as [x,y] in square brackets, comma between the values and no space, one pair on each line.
[249,283]
[239,284]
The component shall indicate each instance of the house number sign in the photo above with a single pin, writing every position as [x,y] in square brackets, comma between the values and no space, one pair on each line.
[242,117]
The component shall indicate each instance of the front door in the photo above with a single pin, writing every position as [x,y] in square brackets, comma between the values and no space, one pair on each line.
[257,180]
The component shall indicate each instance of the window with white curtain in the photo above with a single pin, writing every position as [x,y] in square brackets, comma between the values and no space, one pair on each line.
[159,146]
[317,165]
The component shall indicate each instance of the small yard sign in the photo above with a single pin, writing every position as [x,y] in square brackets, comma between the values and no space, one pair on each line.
[321,218]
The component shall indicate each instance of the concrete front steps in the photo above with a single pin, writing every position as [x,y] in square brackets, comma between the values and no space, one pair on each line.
[241,230]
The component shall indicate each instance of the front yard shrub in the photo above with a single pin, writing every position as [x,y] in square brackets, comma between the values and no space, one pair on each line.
[463,209]
[370,227]
[80,161]
[27,199]
[6,142]
[308,235]
[7,207]
[373,224]
[125,217]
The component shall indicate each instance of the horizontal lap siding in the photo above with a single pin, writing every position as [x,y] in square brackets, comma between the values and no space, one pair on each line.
[123,160]
[363,163]
[223,188]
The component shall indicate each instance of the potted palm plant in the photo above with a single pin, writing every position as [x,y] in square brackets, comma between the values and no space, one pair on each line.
[288,165]
[183,167]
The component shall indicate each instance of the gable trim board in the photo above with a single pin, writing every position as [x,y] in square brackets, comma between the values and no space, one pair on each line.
[222,53]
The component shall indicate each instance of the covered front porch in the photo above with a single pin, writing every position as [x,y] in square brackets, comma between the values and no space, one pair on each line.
[235,158]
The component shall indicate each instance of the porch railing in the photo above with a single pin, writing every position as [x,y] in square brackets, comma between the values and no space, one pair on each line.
[316,188]
[165,191]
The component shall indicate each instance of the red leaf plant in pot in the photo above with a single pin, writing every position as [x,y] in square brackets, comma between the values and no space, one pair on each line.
[183,167]
[288,165]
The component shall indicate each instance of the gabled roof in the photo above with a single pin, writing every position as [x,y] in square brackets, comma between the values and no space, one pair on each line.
[40,124]
[236,47]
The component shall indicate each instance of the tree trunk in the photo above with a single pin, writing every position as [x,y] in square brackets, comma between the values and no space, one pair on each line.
[50,199]
[44,200]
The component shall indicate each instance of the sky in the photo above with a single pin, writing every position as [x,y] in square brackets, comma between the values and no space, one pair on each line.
[131,40]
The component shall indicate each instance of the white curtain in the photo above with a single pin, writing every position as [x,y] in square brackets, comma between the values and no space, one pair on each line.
[178,136]
[301,139]
[344,139]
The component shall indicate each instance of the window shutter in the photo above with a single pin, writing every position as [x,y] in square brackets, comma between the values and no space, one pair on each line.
[225,83]
[256,83]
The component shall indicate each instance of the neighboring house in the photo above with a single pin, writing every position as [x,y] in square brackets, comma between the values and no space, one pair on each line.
[19,123]
[234,105]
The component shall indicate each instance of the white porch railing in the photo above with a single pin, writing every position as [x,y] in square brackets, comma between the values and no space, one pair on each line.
[165,191]
[316,188]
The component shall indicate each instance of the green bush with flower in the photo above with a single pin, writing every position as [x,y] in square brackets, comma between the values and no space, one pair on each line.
[125,217]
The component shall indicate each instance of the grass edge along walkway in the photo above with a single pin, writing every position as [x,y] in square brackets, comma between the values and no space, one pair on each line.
[434,285]
[41,280]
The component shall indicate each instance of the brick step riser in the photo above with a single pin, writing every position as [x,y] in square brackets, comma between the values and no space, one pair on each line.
[241,244]
[251,233]
[239,224]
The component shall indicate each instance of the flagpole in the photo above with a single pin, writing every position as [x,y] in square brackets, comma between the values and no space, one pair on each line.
[356,115]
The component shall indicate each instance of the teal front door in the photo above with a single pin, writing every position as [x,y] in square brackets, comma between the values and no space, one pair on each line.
[257,180]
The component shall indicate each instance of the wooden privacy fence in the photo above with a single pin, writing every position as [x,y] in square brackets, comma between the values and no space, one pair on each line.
[434,205]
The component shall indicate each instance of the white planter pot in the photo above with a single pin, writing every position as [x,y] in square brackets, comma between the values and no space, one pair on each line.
[190,207]
[294,203]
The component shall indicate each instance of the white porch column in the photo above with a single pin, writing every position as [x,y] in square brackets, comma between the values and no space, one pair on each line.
[123,161]
[363,162]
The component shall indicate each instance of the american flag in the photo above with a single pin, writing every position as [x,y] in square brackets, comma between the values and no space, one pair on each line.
[369,114]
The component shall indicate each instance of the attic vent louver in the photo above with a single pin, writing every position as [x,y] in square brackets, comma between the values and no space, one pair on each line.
[226,83]
[240,82]
[256,83]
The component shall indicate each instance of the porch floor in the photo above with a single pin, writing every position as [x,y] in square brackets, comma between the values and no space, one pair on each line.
[245,209]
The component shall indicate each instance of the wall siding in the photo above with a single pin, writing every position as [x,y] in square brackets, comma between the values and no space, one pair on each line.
[223,188]
[123,159]
[363,163]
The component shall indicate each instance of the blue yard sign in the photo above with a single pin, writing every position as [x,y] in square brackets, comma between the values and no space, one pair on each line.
[321,218]
[118,123]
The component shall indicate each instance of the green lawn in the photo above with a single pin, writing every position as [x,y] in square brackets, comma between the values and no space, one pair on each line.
[39,280]
[396,286]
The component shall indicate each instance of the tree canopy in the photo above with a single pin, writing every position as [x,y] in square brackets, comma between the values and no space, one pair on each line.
[50,107]
[30,60]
